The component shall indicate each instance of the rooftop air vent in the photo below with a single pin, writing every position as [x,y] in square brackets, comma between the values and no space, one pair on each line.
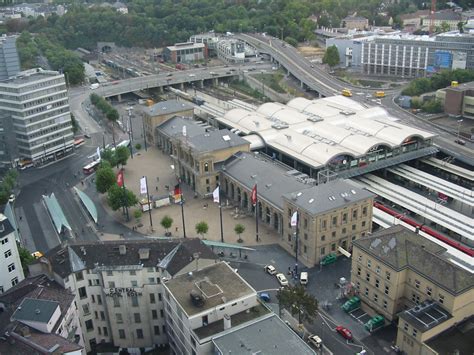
[122,249]
[347,113]
[196,298]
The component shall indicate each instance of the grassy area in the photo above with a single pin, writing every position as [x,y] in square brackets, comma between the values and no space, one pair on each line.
[272,81]
[245,88]
[370,83]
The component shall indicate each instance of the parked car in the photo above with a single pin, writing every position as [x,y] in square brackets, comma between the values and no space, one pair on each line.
[315,341]
[304,278]
[329,259]
[460,142]
[12,198]
[351,304]
[282,279]
[270,269]
[346,333]
[375,322]
[265,297]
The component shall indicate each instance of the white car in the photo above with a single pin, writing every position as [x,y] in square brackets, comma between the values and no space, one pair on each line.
[315,341]
[270,269]
[12,198]
[282,279]
[304,278]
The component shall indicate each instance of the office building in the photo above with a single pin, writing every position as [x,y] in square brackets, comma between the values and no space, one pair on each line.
[399,274]
[37,315]
[35,116]
[9,60]
[118,286]
[185,52]
[11,271]
[214,311]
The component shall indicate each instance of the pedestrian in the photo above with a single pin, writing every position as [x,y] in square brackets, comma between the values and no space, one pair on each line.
[177,229]
[82,182]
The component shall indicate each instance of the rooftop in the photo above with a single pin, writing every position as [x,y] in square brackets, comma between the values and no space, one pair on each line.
[28,76]
[272,177]
[425,316]
[326,197]
[35,310]
[217,284]
[216,140]
[458,339]
[167,107]
[401,248]
[174,127]
[186,45]
[79,256]
[267,336]
[5,226]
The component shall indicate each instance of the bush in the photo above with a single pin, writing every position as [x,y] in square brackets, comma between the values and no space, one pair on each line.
[138,146]
[432,106]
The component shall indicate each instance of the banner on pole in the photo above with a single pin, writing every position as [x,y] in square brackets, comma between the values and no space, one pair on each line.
[177,194]
[294,219]
[143,190]
[120,178]
[253,197]
[216,196]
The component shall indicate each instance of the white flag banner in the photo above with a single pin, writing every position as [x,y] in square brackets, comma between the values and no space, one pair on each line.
[216,196]
[143,189]
[294,219]
[98,153]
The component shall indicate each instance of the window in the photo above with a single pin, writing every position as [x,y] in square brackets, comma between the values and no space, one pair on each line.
[363,223]
[119,318]
[344,230]
[102,315]
[415,298]
[367,277]
[89,325]
[82,293]
[377,269]
[121,334]
[154,314]
[333,234]
[134,283]
[106,332]
[344,218]
[387,288]
[333,246]
[367,292]
[353,227]
[79,276]
[323,238]
[415,332]
[305,223]
[4,241]
[136,317]
[116,302]
[429,291]
[405,327]
[86,310]
[93,298]
[334,221]
[111,284]
[152,298]
[377,283]
[109,273]
[156,329]
[11,267]
[151,280]
[132,272]
[134,300]
[206,167]
[376,297]
[385,304]
[354,214]
[358,285]
[150,269]
[323,224]
[369,263]
[305,249]
[441,298]
[387,275]
[8,253]
[359,257]
[364,211]
[289,237]
[99,330]
[358,270]
[99,299]
[162,314]
[14,281]
[306,236]
[159,297]
[323,251]
[417,284]
[139,334]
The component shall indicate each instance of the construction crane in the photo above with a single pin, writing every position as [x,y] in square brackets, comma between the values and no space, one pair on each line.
[432,16]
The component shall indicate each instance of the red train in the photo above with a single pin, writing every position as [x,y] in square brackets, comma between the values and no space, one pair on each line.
[427,230]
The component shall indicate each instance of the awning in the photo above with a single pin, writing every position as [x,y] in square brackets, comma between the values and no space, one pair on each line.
[56,213]
[344,252]
[88,203]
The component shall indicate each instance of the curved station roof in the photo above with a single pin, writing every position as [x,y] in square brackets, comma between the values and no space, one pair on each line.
[318,131]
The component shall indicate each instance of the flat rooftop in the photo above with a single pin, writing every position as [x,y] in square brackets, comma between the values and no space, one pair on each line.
[458,339]
[217,284]
[267,336]
[425,316]
[29,76]
[35,310]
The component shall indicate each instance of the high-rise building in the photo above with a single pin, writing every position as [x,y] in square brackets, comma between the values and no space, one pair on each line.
[9,60]
[11,271]
[35,117]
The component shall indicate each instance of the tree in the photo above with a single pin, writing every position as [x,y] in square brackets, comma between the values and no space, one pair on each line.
[166,223]
[121,155]
[202,228]
[291,41]
[25,258]
[239,229]
[444,26]
[298,301]
[118,197]
[137,214]
[109,156]
[432,106]
[461,26]
[331,57]
[104,178]
[138,146]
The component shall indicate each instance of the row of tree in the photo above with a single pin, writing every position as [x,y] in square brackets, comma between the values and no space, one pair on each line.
[105,107]
[438,81]
[7,185]
[31,47]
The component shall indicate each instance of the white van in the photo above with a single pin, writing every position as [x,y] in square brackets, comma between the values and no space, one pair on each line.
[304,278]
[94,86]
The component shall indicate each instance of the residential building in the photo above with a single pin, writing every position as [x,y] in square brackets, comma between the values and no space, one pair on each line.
[446,18]
[355,23]
[324,227]
[185,52]
[207,310]
[118,286]
[458,100]
[415,20]
[9,60]
[210,39]
[198,151]
[11,271]
[401,275]
[35,116]
[160,112]
[39,313]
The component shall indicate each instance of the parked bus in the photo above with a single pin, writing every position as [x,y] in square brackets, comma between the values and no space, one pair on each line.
[78,142]
[91,167]
[347,93]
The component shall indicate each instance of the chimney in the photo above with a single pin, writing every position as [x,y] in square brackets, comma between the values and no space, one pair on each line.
[227,322]
[122,249]
[144,253]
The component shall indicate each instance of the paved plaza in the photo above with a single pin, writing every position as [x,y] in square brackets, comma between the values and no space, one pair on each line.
[157,167]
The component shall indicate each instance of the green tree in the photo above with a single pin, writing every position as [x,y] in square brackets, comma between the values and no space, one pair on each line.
[331,57]
[109,156]
[239,229]
[104,178]
[138,146]
[25,258]
[166,223]
[118,197]
[137,214]
[202,228]
[121,155]
[75,125]
[291,41]
[433,106]
[461,26]
[444,27]
[298,301]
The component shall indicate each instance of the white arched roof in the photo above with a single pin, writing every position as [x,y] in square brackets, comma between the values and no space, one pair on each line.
[236,114]
[325,152]
[290,116]
[255,123]
[268,109]
[299,103]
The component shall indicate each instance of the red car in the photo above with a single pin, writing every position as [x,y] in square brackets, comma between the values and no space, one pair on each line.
[346,333]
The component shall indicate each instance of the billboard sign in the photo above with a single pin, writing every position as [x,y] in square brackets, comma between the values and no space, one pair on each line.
[443,59]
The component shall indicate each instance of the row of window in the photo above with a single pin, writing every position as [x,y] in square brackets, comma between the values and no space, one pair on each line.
[375,295]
